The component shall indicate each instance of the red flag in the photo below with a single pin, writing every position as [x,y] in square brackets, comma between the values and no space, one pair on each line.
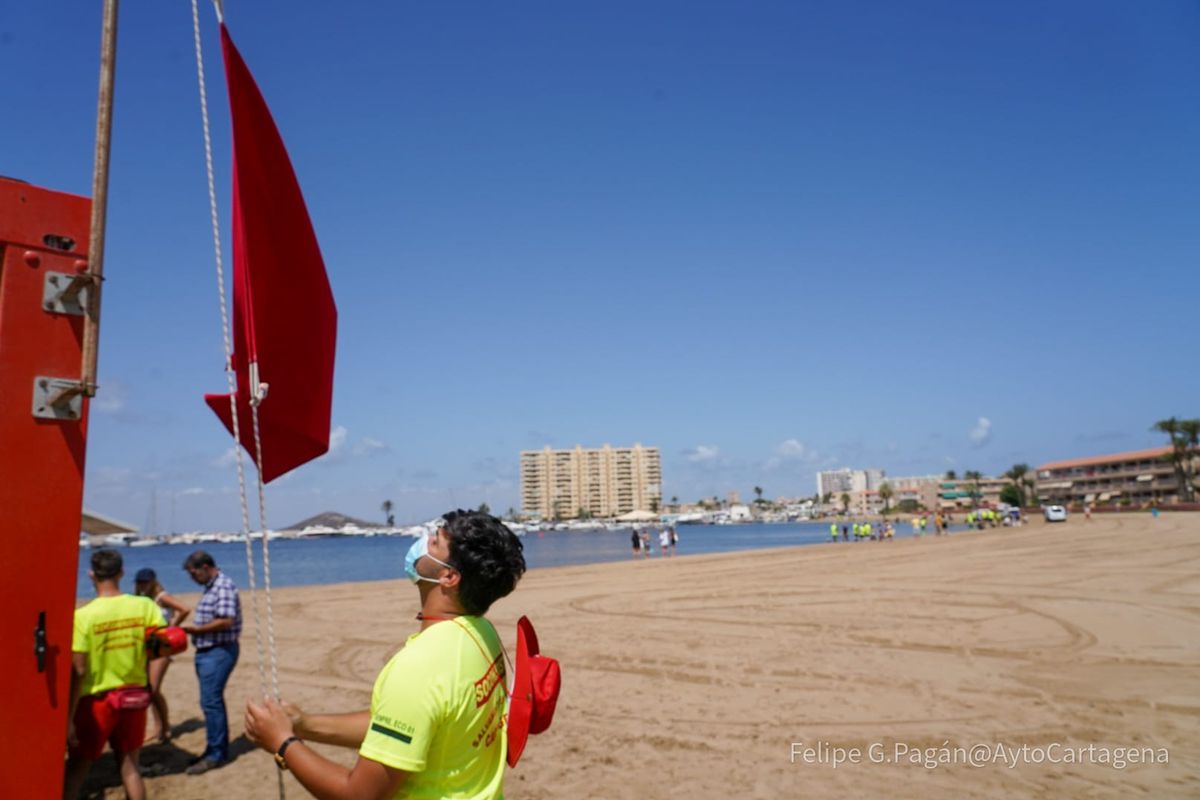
[284,318]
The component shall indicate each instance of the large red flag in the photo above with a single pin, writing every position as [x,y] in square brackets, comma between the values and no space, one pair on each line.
[284,318]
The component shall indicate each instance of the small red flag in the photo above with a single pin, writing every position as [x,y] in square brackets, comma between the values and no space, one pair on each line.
[284,317]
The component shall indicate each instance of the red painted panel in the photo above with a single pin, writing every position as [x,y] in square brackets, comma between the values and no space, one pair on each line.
[41,483]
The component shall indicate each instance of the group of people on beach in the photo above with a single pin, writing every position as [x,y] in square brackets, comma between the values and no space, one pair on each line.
[118,666]
[976,519]
[668,540]
[886,529]
[436,725]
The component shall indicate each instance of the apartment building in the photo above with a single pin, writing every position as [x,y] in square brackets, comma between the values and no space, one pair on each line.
[961,494]
[598,482]
[1138,477]
[847,481]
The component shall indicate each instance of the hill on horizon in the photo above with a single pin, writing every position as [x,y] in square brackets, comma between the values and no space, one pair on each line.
[331,519]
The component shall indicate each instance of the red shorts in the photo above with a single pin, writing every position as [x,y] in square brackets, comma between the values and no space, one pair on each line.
[97,723]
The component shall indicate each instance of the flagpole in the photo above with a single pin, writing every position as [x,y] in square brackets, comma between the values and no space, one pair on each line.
[95,268]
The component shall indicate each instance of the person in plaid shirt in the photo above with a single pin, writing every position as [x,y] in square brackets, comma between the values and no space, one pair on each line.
[215,630]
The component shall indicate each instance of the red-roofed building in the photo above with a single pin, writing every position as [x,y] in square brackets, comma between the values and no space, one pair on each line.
[1136,477]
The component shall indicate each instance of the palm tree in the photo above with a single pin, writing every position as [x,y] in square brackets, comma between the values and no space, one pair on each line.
[386,508]
[758,492]
[951,475]
[1172,427]
[1017,476]
[1189,429]
[886,494]
[845,498]
[973,477]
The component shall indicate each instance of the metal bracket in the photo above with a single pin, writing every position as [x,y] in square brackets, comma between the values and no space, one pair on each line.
[64,293]
[57,398]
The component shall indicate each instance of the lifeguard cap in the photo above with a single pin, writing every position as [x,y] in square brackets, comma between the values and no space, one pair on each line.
[535,691]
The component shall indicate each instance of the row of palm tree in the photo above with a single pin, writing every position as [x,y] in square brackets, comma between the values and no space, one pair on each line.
[1185,449]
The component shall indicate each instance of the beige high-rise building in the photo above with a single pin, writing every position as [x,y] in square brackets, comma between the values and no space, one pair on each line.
[600,482]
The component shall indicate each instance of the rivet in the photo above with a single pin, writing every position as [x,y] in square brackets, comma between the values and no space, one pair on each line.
[32,259]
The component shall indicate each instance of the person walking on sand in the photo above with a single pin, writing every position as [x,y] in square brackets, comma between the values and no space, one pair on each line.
[664,542]
[145,584]
[637,543]
[645,543]
[108,695]
[436,723]
[215,632]
[674,540]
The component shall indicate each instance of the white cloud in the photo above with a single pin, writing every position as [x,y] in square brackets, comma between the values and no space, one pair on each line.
[110,398]
[981,433]
[226,459]
[703,454]
[366,446]
[791,448]
[337,439]
[192,490]
[791,451]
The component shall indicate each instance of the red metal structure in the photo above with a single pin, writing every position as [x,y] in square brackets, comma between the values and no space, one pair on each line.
[43,427]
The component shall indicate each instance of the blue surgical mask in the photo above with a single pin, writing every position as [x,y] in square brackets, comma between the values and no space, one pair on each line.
[420,549]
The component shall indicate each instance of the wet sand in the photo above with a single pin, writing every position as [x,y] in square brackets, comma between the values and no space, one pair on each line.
[695,676]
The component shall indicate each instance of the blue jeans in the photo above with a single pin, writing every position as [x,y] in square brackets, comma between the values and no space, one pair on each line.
[213,668]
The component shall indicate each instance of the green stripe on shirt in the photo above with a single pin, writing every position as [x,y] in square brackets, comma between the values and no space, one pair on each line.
[375,726]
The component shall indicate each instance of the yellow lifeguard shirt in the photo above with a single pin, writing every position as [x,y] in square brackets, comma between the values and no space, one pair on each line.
[438,713]
[112,631]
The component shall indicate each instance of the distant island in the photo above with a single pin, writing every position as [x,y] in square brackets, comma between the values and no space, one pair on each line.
[330,519]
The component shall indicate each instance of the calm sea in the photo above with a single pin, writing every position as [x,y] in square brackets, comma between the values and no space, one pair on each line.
[305,562]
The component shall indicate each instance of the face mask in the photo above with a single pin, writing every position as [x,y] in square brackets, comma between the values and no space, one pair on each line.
[420,549]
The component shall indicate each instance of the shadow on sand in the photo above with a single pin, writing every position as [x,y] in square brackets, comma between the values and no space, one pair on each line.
[156,759]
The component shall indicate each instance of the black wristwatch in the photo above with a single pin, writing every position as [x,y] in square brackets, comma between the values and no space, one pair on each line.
[279,760]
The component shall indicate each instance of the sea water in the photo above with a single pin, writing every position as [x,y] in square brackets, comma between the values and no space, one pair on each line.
[343,559]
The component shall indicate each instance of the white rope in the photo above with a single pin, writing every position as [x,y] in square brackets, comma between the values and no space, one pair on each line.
[229,372]
[266,546]
[230,377]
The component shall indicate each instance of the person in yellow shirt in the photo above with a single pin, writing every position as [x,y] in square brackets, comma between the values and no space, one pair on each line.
[436,725]
[108,698]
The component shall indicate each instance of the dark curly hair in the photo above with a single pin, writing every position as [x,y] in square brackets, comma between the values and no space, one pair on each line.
[487,555]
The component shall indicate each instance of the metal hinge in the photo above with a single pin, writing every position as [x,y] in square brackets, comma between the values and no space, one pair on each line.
[64,293]
[57,398]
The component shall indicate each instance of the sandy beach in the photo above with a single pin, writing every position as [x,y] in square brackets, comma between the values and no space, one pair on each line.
[699,675]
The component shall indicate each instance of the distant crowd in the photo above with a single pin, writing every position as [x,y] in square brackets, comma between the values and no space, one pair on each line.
[886,528]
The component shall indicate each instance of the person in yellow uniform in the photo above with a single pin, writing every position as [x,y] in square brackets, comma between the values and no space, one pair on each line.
[436,725]
[833,531]
[109,698]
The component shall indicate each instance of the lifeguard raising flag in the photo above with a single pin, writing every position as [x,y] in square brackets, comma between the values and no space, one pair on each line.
[284,318]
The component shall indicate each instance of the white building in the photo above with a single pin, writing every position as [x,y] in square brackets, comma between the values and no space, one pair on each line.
[846,481]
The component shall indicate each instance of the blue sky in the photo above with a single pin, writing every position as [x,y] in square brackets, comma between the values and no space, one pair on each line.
[768,238]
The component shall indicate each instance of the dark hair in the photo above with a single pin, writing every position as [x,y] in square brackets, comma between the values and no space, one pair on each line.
[198,559]
[487,555]
[106,564]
